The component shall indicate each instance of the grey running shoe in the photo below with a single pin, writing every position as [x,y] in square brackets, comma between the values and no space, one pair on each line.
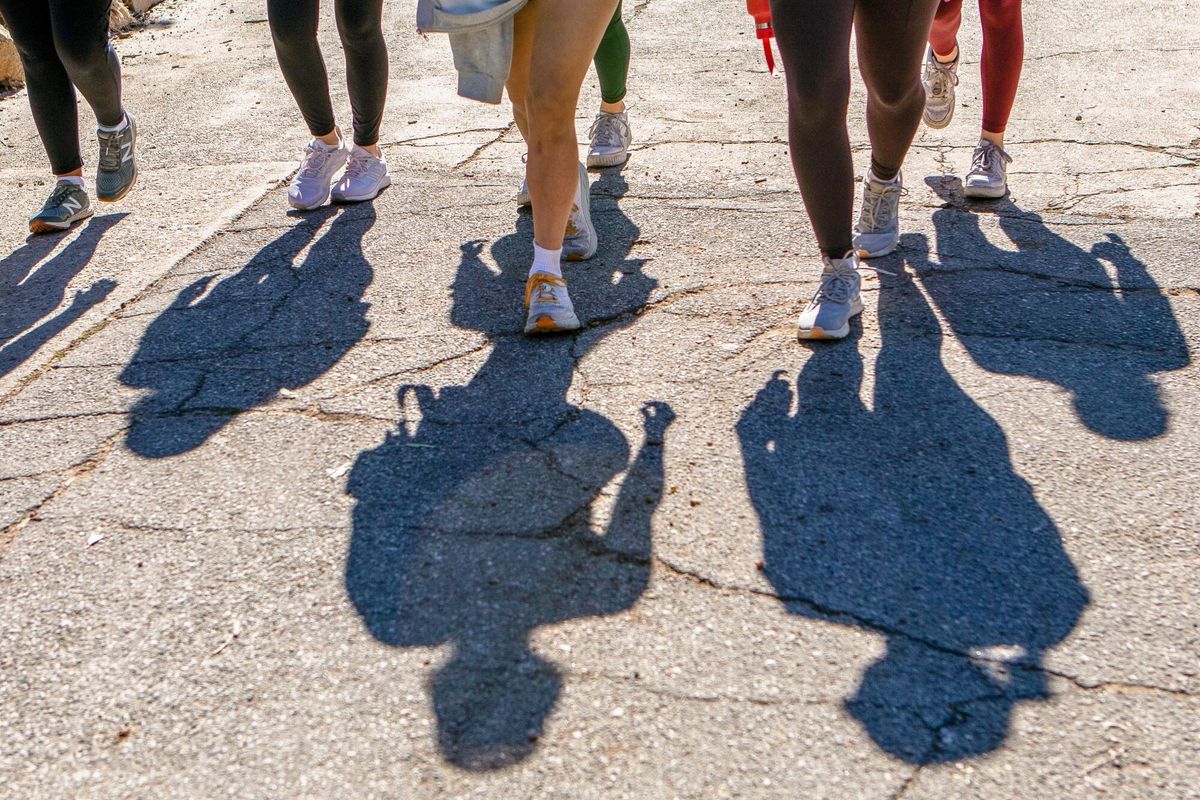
[988,176]
[611,137]
[939,80]
[877,231]
[581,240]
[837,301]
[67,205]
[549,305]
[311,186]
[365,177]
[117,170]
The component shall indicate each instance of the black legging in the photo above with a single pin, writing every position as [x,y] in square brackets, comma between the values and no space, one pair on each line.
[814,42]
[360,24]
[64,44]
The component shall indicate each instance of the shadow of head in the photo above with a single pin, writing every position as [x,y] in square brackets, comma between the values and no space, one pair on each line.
[229,345]
[492,715]
[924,705]
[1091,320]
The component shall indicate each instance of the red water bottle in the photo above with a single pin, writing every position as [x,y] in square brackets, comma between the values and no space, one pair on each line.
[761,11]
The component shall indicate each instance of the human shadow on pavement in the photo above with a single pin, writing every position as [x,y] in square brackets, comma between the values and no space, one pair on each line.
[906,518]
[1050,310]
[226,346]
[475,520]
[33,288]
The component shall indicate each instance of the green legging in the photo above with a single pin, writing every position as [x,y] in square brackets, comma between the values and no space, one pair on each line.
[612,60]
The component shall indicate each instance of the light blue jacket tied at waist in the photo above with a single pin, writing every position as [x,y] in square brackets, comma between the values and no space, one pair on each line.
[481,36]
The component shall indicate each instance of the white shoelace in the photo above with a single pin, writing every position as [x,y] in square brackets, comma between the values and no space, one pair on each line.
[360,164]
[877,206]
[942,78]
[608,130]
[987,158]
[315,157]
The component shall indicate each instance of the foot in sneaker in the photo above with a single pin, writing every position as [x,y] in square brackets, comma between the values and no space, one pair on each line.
[365,177]
[877,231]
[117,169]
[67,205]
[939,80]
[988,176]
[611,137]
[837,301]
[523,198]
[581,240]
[549,306]
[311,186]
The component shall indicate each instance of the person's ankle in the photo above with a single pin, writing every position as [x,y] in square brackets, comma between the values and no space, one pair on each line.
[995,138]
[949,58]
[613,108]
[331,139]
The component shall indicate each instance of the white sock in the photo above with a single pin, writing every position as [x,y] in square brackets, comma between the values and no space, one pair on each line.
[124,124]
[872,179]
[74,179]
[547,261]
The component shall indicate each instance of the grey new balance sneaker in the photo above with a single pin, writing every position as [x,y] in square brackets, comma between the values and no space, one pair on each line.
[581,240]
[988,176]
[877,231]
[117,170]
[67,205]
[939,80]
[611,137]
[837,301]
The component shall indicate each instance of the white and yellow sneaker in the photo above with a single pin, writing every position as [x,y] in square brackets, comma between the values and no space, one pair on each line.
[549,305]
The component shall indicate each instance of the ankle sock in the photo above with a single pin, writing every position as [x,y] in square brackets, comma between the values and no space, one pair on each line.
[120,127]
[547,261]
[876,172]
[73,179]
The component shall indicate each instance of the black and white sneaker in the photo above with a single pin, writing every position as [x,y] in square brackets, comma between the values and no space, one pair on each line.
[67,205]
[117,171]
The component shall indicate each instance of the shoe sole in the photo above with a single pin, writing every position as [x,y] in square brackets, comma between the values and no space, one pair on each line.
[936,125]
[985,194]
[864,253]
[309,206]
[585,208]
[361,198]
[544,325]
[818,333]
[38,226]
[601,162]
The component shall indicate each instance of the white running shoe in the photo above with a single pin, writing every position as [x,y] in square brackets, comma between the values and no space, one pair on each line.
[549,305]
[611,137]
[988,176]
[939,80]
[877,231]
[581,240]
[311,186]
[837,301]
[365,177]
[523,198]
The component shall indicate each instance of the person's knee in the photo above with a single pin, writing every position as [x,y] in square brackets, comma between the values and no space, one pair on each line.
[550,109]
[999,14]
[360,33]
[893,96]
[82,63]
[819,100]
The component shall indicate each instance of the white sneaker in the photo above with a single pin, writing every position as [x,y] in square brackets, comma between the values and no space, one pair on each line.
[837,301]
[365,177]
[311,186]
[988,176]
[877,231]
[549,306]
[939,80]
[523,198]
[581,240]
[611,137]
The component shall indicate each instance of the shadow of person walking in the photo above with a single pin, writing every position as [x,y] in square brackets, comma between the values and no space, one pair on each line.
[907,519]
[1054,311]
[32,288]
[474,521]
[222,349]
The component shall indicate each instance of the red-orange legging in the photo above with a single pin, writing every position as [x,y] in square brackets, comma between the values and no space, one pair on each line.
[1003,52]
